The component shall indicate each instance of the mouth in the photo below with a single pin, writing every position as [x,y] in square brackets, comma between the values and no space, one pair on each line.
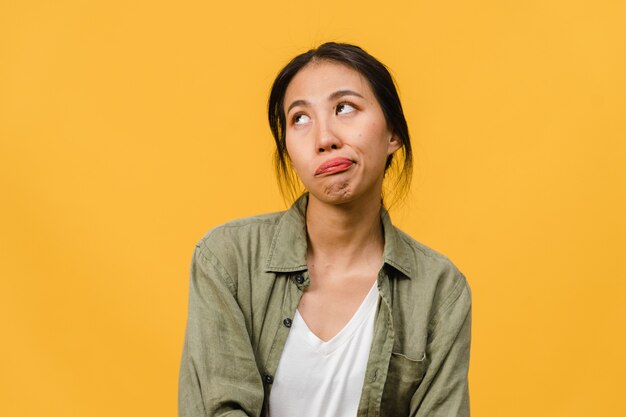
[333,166]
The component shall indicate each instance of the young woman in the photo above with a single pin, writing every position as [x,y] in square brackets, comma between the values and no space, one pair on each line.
[327,309]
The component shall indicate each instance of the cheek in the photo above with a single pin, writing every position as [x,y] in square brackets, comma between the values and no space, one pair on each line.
[378,138]
[294,155]
[290,147]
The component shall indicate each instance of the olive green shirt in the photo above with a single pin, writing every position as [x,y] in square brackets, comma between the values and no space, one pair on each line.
[247,277]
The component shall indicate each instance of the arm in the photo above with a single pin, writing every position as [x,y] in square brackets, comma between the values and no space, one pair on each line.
[218,372]
[444,391]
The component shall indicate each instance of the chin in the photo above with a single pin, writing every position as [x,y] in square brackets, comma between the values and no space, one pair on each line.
[342,190]
[336,193]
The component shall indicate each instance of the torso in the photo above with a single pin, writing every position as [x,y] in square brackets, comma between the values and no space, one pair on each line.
[324,378]
[263,263]
[334,296]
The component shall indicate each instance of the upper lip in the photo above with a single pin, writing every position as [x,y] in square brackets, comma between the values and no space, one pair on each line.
[331,163]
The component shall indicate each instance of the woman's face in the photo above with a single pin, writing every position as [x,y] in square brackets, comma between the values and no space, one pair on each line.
[336,134]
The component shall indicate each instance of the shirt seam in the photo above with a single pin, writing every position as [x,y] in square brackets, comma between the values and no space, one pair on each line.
[412,243]
[455,294]
[247,222]
[213,260]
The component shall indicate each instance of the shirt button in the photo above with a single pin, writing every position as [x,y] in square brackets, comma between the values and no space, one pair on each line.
[299,279]
[268,378]
[287,322]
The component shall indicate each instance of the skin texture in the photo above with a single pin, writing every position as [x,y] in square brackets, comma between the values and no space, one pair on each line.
[332,112]
[321,127]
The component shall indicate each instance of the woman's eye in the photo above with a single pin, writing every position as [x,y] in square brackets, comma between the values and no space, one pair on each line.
[344,108]
[300,119]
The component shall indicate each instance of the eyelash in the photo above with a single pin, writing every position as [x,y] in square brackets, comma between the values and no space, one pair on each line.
[343,103]
[295,117]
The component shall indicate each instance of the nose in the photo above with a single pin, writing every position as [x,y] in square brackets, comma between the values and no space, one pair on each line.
[326,137]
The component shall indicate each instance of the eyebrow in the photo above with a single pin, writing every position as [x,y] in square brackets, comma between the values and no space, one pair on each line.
[334,96]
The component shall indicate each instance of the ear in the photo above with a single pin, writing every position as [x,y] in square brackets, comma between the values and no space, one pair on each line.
[394,144]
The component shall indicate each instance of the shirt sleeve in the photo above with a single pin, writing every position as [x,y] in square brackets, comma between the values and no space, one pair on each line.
[218,372]
[444,392]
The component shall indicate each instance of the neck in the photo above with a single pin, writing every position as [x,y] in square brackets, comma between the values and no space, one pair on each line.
[345,233]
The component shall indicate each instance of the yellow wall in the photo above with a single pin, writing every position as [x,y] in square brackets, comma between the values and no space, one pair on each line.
[124,123]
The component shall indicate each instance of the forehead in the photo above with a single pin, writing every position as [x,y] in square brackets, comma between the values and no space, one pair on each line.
[317,80]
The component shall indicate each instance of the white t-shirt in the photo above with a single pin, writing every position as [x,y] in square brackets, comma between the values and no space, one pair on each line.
[324,379]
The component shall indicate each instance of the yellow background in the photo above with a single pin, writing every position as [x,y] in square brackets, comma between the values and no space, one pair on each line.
[129,128]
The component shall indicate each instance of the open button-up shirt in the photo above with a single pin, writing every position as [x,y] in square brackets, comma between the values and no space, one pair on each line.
[247,277]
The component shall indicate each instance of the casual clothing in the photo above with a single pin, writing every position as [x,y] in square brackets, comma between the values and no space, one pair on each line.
[247,277]
[317,378]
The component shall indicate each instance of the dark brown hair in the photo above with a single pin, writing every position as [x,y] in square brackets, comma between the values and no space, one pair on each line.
[384,89]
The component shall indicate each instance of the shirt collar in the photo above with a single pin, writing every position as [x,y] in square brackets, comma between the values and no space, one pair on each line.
[289,244]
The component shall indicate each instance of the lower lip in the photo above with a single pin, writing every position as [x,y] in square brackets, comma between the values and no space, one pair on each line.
[336,168]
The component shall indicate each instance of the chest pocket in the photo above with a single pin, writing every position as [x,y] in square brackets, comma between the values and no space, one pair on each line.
[403,378]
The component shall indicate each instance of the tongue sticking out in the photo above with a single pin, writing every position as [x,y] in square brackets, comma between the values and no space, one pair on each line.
[333,166]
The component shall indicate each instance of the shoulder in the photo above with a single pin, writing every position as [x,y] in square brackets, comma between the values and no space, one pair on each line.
[239,232]
[240,238]
[435,273]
